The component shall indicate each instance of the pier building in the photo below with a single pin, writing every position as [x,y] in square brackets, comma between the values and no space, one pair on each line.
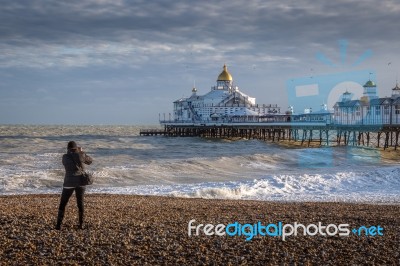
[369,109]
[225,102]
[227,112]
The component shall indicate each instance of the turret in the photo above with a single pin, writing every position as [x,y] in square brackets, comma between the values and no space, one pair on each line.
[369,91]
[346,96]
[396,90]
[224,80]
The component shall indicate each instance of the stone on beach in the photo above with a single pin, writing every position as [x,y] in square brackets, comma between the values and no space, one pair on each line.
[128,229]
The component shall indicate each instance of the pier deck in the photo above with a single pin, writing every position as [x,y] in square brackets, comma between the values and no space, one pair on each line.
[306,133]
[152,132]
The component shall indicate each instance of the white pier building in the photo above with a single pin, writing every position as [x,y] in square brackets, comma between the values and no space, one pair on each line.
[369,109]
[224,103]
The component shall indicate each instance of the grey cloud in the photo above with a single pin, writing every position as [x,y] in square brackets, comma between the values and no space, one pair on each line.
[109,29]
[45,33]
[94,46]
[222,20]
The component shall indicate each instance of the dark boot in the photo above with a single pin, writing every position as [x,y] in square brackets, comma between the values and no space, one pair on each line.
[60,218]
[81,216]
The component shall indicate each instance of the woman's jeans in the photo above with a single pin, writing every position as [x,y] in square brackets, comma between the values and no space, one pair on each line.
[65,195]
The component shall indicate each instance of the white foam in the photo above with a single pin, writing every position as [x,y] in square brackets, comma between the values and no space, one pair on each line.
[382,185]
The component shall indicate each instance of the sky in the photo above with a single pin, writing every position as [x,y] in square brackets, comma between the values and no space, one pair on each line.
[110,62]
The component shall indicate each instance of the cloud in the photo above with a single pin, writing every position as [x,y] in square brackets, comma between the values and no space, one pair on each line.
[182,41]
[82,33]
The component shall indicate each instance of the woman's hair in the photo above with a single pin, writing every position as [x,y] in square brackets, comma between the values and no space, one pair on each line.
[72,145]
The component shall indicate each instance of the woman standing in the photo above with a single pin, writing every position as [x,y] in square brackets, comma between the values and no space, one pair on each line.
[73,162]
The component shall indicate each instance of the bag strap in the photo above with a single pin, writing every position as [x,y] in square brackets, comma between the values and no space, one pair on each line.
[77,165]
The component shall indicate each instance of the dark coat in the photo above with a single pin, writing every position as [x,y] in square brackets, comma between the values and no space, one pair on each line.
[73,175]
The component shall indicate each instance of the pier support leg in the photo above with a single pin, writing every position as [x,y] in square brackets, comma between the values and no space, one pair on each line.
[379,138]
[320,137]
[386,140]
[327,137]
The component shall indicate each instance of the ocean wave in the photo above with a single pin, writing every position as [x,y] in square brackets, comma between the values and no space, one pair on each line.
[378,186]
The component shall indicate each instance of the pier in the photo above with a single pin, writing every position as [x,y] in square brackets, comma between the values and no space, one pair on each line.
[304,134]
[226,112]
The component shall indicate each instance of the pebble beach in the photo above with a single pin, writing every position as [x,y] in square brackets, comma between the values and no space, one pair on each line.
[153,230]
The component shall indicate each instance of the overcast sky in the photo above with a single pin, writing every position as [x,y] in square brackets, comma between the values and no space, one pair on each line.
[124,62]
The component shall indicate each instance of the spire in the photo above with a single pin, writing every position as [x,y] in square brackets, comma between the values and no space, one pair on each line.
[396,90]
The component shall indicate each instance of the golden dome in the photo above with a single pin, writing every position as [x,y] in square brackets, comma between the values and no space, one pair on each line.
[370,84]
[225,75]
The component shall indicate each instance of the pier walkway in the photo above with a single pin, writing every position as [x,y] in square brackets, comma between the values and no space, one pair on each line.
[306,133]
[152,132]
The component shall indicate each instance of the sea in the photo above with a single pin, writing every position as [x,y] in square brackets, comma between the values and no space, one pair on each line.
[126,163]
